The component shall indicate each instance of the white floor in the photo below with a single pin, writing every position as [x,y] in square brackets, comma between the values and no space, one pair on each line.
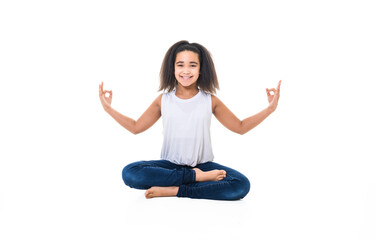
[83,197]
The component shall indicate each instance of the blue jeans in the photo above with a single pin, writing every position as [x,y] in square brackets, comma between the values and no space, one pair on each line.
[163,173]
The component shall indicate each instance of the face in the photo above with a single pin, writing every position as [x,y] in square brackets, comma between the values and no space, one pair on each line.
[187,68]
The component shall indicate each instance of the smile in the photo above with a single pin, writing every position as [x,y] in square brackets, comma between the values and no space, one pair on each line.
[186,77]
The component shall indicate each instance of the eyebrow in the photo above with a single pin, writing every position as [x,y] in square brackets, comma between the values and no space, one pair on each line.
[183,62]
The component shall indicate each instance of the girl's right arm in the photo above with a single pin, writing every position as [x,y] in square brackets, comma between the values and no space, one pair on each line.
[150,116]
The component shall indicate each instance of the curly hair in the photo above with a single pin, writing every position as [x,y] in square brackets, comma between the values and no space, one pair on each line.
[207,80]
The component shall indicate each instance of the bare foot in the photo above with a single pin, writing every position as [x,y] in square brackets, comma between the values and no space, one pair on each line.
[161,192]
[213,175]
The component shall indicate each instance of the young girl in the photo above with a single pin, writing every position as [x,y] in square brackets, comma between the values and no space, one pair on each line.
[186,168]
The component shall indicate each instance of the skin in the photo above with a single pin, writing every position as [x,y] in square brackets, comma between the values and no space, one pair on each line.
[187,70]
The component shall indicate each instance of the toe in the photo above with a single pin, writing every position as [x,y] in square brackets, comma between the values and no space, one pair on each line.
[148,194]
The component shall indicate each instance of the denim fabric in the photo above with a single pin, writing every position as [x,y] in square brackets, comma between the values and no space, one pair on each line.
[146,174]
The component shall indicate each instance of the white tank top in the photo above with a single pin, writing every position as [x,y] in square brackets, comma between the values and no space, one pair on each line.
[186,129]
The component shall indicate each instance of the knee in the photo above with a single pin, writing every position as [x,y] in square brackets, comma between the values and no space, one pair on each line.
[241,188]
[129,174]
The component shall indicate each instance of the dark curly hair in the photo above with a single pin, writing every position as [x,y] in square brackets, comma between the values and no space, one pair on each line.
[207,80]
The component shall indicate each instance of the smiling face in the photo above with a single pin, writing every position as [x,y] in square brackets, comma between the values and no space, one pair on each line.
[187,68]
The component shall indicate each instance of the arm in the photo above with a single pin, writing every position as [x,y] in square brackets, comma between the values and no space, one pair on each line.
[230,121]
[147,119]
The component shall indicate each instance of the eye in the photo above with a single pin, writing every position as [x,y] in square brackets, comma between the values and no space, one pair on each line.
[193,65]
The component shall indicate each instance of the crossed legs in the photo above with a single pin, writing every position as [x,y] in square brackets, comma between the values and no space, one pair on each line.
[209,180]
[201,176]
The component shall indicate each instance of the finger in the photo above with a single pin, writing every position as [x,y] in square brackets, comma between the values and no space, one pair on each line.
[106,91]
[279,85]
[100,90]
[272,90]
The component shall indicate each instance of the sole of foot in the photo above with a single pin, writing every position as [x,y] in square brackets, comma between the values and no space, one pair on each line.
[161,192]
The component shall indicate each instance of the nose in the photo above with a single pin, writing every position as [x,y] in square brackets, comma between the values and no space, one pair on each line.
[186,70]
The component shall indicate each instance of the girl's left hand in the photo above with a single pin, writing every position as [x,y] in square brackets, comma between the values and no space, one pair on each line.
[273,98]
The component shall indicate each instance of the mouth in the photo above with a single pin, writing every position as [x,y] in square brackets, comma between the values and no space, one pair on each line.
[186,77]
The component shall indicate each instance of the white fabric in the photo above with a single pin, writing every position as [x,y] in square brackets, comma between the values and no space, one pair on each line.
[186,129]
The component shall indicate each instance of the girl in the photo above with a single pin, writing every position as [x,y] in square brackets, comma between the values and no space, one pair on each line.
[186,168]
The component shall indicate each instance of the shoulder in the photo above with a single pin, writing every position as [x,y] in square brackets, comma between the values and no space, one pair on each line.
[158,100]
[165,95]
[215,100]
[217,104]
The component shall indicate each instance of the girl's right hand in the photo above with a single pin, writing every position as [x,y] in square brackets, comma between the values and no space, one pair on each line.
[106,101]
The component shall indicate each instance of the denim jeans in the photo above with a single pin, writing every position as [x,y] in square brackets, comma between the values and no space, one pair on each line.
[146,174]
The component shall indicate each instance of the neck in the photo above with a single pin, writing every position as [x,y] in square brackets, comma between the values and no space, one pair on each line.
[186,92]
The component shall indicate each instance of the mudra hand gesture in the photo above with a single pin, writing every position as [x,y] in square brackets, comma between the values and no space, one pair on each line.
[106,101]
[273,98]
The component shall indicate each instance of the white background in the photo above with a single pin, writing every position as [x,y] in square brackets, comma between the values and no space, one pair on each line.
[310,163]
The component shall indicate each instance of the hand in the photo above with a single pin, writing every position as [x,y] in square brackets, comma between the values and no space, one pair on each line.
[106,101]
[273,98]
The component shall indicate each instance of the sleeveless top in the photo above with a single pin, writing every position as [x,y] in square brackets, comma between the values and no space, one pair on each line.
[186,129]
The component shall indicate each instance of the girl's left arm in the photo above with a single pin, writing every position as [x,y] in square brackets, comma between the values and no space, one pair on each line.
[229,120]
